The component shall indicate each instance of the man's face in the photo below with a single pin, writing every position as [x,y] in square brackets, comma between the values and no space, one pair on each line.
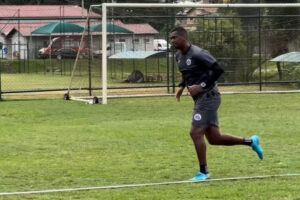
[177,40]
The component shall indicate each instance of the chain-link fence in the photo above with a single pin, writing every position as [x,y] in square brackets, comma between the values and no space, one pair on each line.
[244,41]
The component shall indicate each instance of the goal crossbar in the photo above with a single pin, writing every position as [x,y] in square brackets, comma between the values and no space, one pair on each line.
[165,5]
[198,5]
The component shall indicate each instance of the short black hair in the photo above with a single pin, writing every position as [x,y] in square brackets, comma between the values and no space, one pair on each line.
[180,30]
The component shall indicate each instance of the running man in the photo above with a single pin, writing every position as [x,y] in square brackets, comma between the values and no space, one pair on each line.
[200,71]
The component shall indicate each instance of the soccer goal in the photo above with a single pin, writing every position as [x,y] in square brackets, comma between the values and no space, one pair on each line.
[126,52]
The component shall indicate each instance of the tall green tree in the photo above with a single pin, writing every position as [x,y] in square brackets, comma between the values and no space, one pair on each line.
[224,39]
[281,29]
[281,25]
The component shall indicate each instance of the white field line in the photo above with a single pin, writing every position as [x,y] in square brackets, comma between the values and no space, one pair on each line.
[88,99]
[144,184]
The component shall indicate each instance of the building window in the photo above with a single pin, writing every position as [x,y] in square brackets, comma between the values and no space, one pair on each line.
[147,41]
[45,43]
[111,41]
[136,41]
[69,43]
[122,40]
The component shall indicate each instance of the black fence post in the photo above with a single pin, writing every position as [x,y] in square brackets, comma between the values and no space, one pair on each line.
[168,59]
[259,45]
[89,55]
[18,53]
[27,56]
[173,54]
[173,72]
[0,81]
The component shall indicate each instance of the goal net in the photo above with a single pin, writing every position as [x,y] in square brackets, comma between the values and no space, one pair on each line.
[126,51]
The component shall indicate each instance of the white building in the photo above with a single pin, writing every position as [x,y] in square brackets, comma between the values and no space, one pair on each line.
[15,34]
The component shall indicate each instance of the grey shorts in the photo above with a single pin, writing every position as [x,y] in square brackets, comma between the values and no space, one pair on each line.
[206,109]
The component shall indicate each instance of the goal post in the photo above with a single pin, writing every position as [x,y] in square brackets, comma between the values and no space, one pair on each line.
[198,5]
[104,55]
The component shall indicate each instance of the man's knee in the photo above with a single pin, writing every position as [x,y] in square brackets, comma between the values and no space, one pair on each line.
[213,136]
[213,141]
[194,135]
[197,133]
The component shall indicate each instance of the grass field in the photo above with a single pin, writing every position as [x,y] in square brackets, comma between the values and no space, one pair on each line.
[51,144]
[57,82]
[38,75]
[43,74]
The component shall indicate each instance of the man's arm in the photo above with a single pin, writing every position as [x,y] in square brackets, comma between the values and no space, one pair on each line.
[180,89]
[215,72]
[182,83]
[205,59]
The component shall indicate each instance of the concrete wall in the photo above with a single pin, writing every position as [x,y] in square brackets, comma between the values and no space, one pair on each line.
[141,42]
[2,41]
[18,46]
[5,53]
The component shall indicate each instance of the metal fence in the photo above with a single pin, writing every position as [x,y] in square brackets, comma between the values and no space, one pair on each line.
[243,43]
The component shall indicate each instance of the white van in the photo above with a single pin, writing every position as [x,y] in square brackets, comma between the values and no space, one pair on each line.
[112,48]
[160,45]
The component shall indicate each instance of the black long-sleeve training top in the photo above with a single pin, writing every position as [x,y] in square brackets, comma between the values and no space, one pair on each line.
[199,67]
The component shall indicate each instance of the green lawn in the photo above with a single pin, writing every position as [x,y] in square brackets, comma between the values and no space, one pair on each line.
[51,144]
[41,74]
[56,81]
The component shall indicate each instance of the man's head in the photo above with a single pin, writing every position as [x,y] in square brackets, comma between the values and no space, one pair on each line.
[178,37]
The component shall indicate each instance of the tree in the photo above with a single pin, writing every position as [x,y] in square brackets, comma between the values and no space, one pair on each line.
[283,29]
[281,34]
[151,16]
[279,30]
[223,38]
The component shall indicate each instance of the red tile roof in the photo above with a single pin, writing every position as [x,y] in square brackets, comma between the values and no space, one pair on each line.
[48,11]
[27,28]
[6,29]
[137,28]
[54,11]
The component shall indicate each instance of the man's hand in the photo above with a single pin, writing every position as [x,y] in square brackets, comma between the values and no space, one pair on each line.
[179,93]
[195,89]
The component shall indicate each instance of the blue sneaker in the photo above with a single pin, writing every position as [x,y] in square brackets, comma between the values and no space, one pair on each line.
[200,177]
[256,147]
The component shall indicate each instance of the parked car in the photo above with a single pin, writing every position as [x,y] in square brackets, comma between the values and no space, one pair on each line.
[64,53]
[63,45]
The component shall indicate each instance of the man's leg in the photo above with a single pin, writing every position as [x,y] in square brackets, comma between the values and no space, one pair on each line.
[197,135]
[214,137]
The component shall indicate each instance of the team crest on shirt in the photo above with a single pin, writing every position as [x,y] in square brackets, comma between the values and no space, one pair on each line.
[197,117]
[188,61]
